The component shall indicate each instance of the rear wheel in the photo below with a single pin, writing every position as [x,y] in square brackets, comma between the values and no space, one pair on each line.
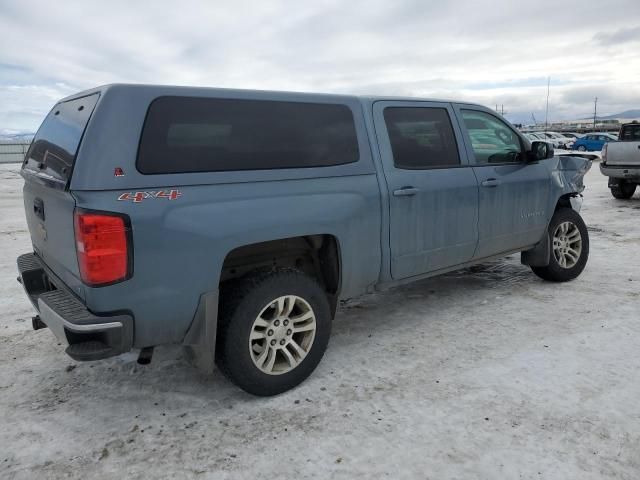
[274,331]
[582,148]
[569,242]
[623,191]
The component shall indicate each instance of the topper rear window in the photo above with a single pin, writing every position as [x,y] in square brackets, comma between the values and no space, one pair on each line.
[188,134]
[54,148]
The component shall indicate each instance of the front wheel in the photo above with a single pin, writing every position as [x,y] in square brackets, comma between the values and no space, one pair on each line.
[274,330]
[582,148]
[623,191]
[569,240]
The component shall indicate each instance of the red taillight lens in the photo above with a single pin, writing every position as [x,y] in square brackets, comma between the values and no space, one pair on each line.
[103,247]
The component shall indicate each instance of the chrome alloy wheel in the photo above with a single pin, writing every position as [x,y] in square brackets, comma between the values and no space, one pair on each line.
[567,244]
[282,335]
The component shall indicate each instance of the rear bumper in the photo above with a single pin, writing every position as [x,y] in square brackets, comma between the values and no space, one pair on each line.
[615,171]
[87,336]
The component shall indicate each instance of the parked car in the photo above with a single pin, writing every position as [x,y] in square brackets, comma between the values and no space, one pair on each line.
[621,161]
[573,136]
[593,142]
[535,138]
[540,136]
[233,222]
[560,140]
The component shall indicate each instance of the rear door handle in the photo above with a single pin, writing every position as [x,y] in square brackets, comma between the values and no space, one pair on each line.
[405,192]
[491,182]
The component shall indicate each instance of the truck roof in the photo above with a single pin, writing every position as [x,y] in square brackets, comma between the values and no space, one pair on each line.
[162,90]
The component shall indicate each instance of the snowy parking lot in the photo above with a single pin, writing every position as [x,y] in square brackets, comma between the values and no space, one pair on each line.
[486,373]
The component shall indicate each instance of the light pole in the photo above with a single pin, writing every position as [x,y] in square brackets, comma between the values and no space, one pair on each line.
[546,115]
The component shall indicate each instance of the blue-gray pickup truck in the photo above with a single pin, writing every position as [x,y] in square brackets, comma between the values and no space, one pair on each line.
[233,222]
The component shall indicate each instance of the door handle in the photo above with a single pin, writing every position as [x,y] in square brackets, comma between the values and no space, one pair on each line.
[405,192]
[491,182]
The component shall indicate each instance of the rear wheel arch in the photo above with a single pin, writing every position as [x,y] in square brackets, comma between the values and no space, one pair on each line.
[318,256]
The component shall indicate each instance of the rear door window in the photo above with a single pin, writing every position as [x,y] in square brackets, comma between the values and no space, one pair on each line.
[188,134]
[421,137]
[53,150]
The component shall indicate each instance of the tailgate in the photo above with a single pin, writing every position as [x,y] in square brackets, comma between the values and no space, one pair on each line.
[623,153]
[48,204]
[627,150]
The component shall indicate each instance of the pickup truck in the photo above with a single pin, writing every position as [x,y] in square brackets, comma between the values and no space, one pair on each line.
[621,161]
[234,222]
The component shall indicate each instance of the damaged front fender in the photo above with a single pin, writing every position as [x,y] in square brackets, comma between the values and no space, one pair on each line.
[568,171]
[567,184]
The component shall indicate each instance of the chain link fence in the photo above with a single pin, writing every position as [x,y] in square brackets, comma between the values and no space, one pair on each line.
[12,152]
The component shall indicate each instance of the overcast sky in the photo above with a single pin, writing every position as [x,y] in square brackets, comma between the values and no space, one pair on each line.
[497,52]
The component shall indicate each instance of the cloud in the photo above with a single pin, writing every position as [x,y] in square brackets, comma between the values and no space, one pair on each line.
[493,53]
[623,35]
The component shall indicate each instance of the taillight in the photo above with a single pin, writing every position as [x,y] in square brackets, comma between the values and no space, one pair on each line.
[103,247]
[604,153]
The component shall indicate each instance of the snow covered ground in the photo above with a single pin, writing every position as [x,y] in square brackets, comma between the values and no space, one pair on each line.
[486,373]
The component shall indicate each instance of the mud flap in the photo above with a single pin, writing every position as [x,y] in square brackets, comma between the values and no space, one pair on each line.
[538,256]
[200,341]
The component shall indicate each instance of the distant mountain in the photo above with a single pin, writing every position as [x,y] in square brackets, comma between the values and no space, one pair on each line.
[626,114]
[8,135]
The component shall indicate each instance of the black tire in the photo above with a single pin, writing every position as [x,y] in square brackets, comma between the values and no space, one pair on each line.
[623,191]
[240,305]
[554,272]
[582,148]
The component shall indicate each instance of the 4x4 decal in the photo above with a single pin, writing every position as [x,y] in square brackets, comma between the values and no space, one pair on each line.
[137,197]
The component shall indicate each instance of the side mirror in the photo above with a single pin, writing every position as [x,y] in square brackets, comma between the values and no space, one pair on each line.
[540,151]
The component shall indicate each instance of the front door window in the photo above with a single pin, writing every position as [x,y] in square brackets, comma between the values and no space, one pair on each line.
[491,139]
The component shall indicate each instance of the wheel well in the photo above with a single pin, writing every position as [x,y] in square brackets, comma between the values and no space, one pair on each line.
[564,201]
[316,255]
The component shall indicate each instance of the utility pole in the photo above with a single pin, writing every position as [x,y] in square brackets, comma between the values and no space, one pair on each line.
[595,113]
[546,115]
